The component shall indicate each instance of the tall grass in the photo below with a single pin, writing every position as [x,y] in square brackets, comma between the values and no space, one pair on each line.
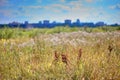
[35,58]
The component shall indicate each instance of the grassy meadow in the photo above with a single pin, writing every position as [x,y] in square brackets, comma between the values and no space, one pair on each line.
[60,53]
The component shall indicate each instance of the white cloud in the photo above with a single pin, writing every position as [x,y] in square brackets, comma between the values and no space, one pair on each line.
[60,7]
[35,7]
[89,1]
[117,6]
[64,7]
[31,7]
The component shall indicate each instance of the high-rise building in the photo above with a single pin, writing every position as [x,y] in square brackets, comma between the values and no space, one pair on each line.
[100,23]
[78,21]
[26,23]
[40,22]
[46,22]
[68,21]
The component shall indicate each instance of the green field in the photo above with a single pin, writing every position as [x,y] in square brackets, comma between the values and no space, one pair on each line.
[60,53]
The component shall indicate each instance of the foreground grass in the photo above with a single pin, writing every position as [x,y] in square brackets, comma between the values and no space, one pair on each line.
[33,58]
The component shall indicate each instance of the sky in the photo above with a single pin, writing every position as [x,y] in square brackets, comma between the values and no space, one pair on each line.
[59,10]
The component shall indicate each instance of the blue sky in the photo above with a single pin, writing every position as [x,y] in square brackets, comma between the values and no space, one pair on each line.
[58,10]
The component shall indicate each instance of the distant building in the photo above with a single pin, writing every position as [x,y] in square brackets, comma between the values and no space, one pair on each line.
[40,22]
[53,23]
[100,24]
[88,24]
[78,21]
[67,22]
[46,22]
[14,24]
[26,23]
[114,24]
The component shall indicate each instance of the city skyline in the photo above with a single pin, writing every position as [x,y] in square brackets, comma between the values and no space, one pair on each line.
[33,11]
[48,24]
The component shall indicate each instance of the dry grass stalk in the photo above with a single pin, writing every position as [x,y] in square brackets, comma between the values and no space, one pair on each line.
[79,54]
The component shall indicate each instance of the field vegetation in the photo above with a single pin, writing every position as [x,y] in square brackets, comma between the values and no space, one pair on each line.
[60,53]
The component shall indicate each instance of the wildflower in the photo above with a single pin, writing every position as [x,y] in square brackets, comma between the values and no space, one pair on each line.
[64,59]
[56,56]
[110,48]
